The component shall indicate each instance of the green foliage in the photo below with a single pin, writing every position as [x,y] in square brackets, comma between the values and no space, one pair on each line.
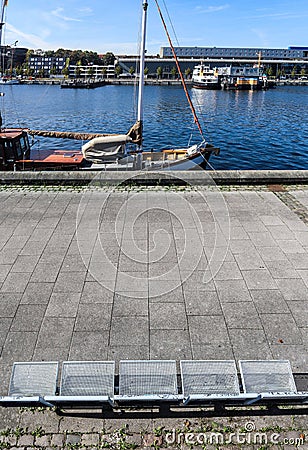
[108,59]
[38,432]
[118,70]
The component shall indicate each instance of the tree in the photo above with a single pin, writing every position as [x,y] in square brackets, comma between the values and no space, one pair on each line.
[146,71]
[19,71]
[159,71]
[108,59]
[53,71]
[188,72]
[293,72]
[29,54]
[270,71]
[66,71]
[104,71]
[118,70]
[174,72]
[303,72]
[91,71]
[132,70]
[29,72]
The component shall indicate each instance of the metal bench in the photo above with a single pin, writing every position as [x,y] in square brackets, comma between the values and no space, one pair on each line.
[85,383]
[147,381]
[272,380]
[90,384]
[210,382]
[30,383]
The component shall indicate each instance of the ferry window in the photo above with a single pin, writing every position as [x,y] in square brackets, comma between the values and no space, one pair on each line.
[18,149]
[8,149]
[23,144]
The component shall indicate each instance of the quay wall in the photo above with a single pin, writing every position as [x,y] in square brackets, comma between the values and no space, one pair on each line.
[157,178]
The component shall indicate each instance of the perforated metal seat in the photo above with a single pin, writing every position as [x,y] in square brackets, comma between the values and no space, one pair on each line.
[267,376]
[30,383]
[85,384]
[149,380]
[209,378]
[272,380]
[87,378]
[33,379]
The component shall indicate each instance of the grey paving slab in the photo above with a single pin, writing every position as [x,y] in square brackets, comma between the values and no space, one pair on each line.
[202,303]
[169,316]
[37,292]
[89,346]
[292,289]
[93,317]
[5,325]
[128,305]
[170,344]
[259,279]
[55,332]
[269,301]
[28,318]
[281,328]
[15,283]
[63,305]
[70,282]
[94,292]
[241,315]
[129,331]
[18,346]
[299,260]
[249,344]
[208,330]
[291,246]
[212,351]
[282,269]
[232,291]
[9,303]
[4,271]
[299,311]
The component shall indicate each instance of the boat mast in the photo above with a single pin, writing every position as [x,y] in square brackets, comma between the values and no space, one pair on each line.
[196,120]
[4,4]
[142,63]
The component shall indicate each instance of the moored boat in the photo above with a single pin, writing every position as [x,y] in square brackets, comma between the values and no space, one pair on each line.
[204,77]
[106,152]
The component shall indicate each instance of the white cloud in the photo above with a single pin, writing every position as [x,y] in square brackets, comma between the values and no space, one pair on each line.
[26,39]
[86,11]
[211,9]
[59,13]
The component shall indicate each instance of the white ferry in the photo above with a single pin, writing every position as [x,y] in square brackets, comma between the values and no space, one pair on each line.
[205,78]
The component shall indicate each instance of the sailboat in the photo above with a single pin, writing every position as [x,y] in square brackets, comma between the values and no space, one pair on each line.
[108,152]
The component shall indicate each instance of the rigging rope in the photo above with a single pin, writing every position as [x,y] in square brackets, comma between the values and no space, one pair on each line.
[170,21]
[180,72]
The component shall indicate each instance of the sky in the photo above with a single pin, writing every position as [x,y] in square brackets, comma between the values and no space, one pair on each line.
[114,25]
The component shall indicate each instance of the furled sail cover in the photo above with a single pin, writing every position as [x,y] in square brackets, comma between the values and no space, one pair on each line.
[105,148]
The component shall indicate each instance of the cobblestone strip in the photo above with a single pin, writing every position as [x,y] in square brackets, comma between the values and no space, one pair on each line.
[294,205]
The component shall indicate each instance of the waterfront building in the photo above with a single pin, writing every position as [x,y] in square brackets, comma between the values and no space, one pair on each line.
[44,64]
[281,60]
[291,53]
[93,71]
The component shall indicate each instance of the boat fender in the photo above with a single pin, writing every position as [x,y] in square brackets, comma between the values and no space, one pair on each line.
[192,149]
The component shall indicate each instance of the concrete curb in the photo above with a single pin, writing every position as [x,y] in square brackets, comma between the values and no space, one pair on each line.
[198,177]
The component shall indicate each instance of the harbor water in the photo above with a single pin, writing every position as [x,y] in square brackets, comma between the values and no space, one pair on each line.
[254,129]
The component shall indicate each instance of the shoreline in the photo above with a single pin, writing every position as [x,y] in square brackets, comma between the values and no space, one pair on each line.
[148,82]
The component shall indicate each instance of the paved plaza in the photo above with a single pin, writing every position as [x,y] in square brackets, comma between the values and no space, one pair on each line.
[141,273]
